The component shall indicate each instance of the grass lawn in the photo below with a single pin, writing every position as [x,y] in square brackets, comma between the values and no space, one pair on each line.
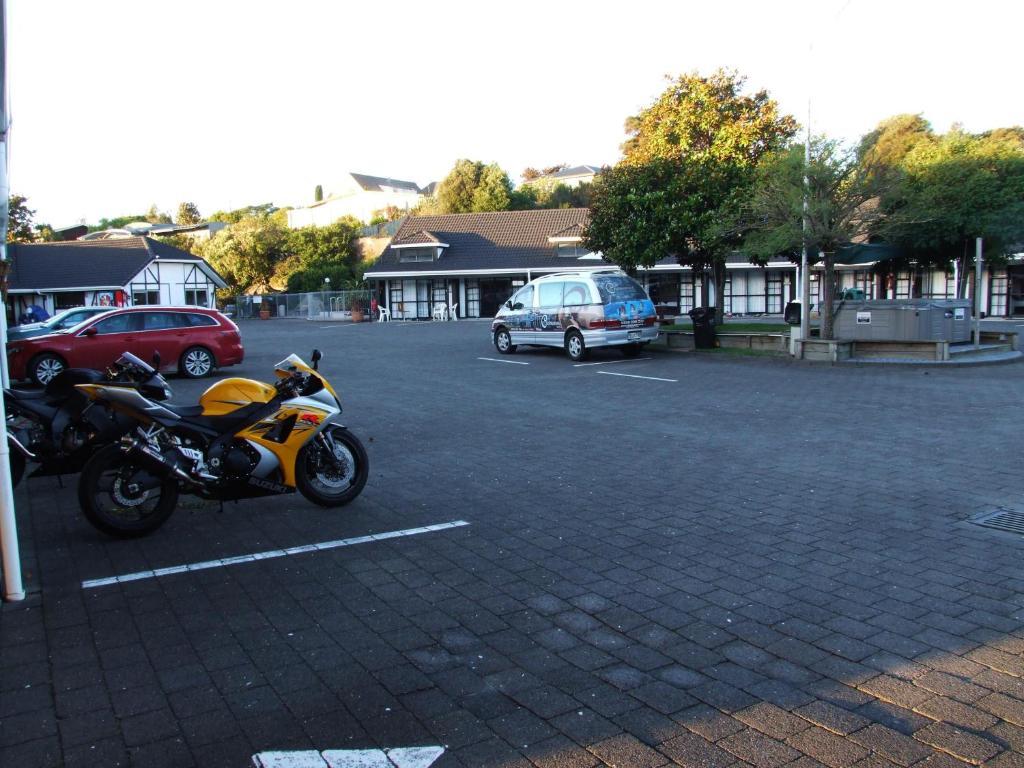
[728,327]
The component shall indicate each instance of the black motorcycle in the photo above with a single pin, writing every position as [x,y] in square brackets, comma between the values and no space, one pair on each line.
[59,428]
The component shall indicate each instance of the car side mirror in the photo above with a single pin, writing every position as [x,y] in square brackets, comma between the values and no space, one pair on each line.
[316,357]
[156,359]
[508,304]
[91,331]
[517,306]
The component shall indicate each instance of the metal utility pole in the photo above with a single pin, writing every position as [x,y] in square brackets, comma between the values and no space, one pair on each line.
[805,278]
[13,588]
[978,263]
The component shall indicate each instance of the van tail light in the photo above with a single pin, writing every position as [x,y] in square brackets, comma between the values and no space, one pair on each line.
[650,321]
[605,324]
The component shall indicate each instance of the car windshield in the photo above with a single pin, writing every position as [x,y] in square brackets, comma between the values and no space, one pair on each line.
[618,288]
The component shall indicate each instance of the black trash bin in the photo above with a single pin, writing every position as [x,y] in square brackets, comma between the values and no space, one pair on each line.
[792,313]
[703,327]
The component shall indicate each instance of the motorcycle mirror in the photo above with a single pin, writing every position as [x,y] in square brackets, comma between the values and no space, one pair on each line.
[156,359]
[316,357]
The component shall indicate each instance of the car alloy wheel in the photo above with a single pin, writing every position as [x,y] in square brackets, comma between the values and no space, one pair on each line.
[197,363]
[46,369]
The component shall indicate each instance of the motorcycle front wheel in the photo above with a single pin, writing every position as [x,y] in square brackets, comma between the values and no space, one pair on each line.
[121,498]
[332,483]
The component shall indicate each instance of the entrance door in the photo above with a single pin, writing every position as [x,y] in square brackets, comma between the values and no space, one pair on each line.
[1016,298]
[494,293]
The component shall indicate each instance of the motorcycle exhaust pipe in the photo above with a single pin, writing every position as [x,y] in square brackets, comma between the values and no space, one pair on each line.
[16,443]
[158,463]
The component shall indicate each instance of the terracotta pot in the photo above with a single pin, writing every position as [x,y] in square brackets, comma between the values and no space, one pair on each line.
[264,314]
[357,315]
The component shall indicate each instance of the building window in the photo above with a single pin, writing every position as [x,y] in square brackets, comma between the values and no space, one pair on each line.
[416,254]
[473,298]
[998,291]
[196,297]
[145,297]
[686,292]
[773,292]
[68,300]
[571,250]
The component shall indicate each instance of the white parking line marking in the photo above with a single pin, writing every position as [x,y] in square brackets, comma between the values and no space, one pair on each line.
[496,360]
[612,362]
[398,757]
[201,566]
[634,376]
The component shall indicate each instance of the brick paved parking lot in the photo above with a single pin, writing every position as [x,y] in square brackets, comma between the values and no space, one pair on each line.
[728,562]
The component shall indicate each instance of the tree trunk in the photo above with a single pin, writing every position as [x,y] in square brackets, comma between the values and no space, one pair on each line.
[828,295]
[718,270]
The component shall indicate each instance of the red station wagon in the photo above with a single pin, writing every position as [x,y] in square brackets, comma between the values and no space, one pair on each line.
[191,340]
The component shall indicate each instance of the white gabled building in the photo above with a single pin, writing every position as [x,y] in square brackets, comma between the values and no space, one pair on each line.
[116,272]
[360,196]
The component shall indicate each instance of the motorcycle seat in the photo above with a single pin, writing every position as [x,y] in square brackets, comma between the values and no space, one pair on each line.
[230,422]
[184,411]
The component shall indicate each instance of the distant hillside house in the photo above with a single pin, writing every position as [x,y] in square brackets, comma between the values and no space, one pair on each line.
[202,231]
[360,196]
[570,177]
[117,272]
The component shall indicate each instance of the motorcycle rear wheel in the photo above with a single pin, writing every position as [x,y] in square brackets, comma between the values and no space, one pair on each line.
[113,506]
[320,481]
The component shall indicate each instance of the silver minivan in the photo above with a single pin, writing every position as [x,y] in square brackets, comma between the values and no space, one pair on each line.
[577,311]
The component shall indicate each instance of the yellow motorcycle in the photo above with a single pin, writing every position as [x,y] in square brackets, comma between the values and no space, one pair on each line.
[244,439]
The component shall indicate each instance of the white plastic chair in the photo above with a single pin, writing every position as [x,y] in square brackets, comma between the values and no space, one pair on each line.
[385,315]
[440,312]
[453,313]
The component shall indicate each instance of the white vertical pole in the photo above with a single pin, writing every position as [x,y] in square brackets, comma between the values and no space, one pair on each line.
[11,554]
[805,281]
[977,292]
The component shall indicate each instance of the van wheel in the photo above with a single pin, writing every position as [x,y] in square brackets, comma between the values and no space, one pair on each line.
[503,341]
[632,350]
[575,347]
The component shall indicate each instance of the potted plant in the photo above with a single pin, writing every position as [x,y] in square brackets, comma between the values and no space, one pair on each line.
[358,310]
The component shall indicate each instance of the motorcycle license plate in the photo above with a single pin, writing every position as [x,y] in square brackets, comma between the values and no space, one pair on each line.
[633,336]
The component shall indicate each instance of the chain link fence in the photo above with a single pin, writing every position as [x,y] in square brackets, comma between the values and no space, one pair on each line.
[317,305]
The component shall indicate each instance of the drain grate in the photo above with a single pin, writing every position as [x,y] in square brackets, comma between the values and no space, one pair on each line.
[1002,520]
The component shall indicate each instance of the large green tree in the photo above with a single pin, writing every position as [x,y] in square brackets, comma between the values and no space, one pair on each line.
[316,253]
[247,253]
[708,117]
[19,220]
[688,163]
[188,213]
[841,191]
[472,186]
[955,188]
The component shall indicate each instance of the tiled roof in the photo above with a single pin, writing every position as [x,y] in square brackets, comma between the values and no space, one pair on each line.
[416,238]
[374,183]
[576,170]
[88,263]
[501,240]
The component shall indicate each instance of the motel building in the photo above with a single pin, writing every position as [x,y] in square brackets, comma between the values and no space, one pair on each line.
[475,261]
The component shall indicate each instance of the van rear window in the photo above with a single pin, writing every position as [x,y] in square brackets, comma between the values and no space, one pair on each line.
[618,288]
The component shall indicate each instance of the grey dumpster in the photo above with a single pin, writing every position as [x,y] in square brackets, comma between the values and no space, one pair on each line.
[905,320]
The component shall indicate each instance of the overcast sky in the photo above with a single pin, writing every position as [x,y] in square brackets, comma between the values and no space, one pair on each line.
[119,105]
